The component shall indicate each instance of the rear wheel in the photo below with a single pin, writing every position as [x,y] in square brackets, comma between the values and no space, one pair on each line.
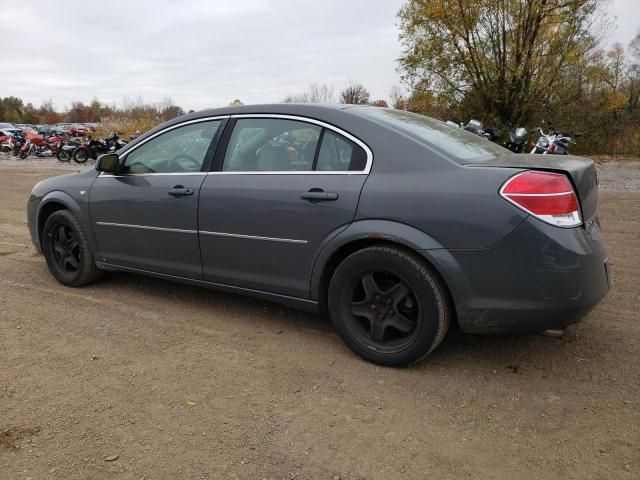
[388,306]
[66,249]
[81,155]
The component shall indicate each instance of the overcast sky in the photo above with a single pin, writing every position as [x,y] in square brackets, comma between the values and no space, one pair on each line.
[205,53]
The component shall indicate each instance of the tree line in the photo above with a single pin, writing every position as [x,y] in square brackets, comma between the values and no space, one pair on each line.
[523,63]
[130,116]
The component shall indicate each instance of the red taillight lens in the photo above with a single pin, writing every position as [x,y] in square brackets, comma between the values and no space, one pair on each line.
[547,196]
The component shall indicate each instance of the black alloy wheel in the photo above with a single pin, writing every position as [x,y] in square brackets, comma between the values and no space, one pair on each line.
[67,251]
[388,305]
[384,310]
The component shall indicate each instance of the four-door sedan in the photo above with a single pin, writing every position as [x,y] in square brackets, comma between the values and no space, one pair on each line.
[396,224]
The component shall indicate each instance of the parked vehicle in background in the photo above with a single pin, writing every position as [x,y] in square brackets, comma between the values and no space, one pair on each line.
[45,130]
[394,223]
[6,143]
[26,127]
[77,130]
[518,140]
[89,148]
[61,129]
[552,143]
[66,147]
[39,146]
[114,142]
[476,126]
[11,131]
[13,141]
[6,126]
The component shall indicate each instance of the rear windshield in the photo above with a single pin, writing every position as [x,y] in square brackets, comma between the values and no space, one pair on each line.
[463,146]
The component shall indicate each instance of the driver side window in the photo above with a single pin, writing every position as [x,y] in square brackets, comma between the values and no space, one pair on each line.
[180,150]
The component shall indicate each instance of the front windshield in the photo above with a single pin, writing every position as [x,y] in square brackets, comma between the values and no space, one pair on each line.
[463,146]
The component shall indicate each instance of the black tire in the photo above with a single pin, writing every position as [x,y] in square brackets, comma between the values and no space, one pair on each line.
[66,250]
[63,156]
[406,307]
[81,155]
[23,155]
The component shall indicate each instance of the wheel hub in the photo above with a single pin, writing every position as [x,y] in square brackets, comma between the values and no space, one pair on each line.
[383,304]
[383,310]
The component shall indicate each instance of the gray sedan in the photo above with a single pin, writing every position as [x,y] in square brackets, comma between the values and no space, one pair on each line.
[396,224]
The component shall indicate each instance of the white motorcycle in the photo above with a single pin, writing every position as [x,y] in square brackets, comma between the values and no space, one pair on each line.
[552,143]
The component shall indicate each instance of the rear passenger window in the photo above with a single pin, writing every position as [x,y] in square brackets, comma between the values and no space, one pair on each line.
[281,145]
[337,154]
[271,145]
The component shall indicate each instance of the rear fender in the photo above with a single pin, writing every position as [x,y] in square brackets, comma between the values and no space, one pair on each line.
[385,231]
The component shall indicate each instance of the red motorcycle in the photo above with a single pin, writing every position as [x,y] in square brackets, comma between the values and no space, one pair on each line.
[38,146]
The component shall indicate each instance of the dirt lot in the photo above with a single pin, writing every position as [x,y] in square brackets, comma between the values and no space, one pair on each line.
[140,378]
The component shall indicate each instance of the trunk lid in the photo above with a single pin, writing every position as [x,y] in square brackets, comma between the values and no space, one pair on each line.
[581,171]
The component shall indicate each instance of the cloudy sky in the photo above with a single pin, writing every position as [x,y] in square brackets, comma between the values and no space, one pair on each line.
[205,53]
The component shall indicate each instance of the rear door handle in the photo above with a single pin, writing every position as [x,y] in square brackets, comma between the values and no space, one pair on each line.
[319,195]
[180,191]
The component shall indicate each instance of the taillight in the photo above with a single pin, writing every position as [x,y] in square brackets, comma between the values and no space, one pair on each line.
[545,195]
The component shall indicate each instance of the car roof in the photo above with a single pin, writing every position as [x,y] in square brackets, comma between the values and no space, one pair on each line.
[327,112]
[285,108]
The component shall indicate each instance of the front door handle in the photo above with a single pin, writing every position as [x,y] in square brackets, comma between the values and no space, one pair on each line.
[180,191]
[319,195]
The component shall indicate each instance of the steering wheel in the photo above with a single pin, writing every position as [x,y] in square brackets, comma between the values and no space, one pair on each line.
[174,163]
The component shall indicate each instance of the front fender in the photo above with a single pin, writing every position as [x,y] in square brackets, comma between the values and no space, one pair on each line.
[50,202]
[392,232]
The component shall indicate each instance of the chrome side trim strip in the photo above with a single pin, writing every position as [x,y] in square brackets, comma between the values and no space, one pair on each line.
[328,126]
[145,227]
[194,174]
[253,237]
[289,172]
[203,232]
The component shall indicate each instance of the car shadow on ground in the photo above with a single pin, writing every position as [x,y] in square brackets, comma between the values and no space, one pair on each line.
[493,351]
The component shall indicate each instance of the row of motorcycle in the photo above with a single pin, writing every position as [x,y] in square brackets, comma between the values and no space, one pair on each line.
[63,147]
[553,142]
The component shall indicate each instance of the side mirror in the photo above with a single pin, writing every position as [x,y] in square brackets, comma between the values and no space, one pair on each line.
[108,163]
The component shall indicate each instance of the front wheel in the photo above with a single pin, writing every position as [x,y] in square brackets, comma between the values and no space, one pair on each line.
[63,156]
[388,306]
[66,250]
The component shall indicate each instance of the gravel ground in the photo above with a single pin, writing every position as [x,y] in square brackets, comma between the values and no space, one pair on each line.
[616,175]
[140,378]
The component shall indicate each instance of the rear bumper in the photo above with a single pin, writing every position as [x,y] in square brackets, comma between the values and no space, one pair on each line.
[540,277]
